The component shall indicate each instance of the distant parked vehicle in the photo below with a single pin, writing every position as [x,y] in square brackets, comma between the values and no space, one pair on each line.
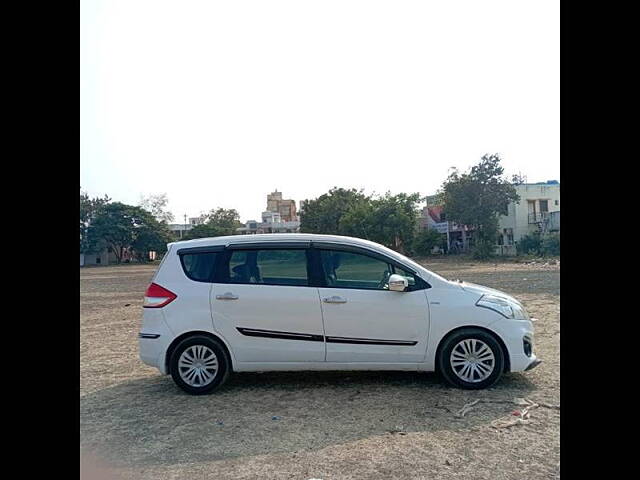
[321,302]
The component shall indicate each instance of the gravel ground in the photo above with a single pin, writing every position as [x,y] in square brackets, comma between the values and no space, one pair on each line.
[136,423]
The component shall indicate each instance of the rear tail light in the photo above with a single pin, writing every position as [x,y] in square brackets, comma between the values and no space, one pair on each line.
[157,296]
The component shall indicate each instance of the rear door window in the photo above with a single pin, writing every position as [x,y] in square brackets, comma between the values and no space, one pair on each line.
[199,266]
[269,267]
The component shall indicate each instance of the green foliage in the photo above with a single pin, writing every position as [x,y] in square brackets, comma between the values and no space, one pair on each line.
[529,245]
[118,227]
[89,208]
[389,219]
[323,214]
[483,249]
[217,222]
[476,198]
[425,240]
[551,244]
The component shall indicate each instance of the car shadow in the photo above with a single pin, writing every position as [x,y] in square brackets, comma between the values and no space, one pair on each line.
[149,421]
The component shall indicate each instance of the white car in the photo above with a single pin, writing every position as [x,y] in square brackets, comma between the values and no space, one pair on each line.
[322,302]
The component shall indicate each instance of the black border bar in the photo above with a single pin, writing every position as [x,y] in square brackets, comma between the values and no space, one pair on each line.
[257,332]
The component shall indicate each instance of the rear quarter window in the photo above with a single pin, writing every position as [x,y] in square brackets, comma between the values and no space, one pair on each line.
[199,266]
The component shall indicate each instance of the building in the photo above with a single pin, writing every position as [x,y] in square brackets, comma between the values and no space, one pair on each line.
[180,228]
[285,207]
[537,211]
[279,217]
[454,236]
[271,223]
[106,257]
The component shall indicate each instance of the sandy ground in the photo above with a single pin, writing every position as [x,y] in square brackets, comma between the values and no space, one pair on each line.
[136,423]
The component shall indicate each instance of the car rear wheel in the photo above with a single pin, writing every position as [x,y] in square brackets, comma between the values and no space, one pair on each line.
[471,359]
[199,365]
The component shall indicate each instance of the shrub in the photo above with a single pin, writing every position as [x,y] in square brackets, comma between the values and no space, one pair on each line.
[483,249]
[425,240]
[551,244]
[529,245]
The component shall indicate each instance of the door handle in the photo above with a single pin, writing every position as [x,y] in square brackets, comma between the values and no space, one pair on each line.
[227,296]
[334,299]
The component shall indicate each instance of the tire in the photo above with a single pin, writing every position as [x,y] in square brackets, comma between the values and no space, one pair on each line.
[197,381]
[471,366]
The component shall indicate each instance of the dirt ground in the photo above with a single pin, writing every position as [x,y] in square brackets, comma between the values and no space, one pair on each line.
[135,423]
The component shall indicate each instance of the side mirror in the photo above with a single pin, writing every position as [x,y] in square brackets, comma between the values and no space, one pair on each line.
[398,283]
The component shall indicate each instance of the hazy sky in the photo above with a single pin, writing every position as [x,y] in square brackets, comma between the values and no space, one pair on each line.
[218,103]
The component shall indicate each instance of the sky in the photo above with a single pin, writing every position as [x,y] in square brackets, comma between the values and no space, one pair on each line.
[218,103]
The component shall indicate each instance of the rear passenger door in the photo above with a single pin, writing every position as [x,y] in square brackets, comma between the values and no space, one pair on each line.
[263,304]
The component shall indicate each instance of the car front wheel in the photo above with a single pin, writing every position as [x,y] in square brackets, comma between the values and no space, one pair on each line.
[471,359]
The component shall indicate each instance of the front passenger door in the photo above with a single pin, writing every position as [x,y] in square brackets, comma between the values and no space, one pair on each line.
[364,321]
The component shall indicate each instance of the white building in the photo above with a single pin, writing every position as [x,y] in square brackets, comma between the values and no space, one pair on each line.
[271,223]
[537,211]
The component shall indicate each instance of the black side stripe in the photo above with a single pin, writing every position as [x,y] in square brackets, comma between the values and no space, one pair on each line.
[369,341]
[255,332]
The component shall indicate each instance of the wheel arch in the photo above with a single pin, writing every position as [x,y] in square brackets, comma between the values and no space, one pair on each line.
[503,346]
[192,333]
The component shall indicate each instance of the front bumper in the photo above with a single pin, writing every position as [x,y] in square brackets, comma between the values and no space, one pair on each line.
[513,333]
[534,363]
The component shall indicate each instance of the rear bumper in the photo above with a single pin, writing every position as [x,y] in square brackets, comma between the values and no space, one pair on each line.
[152,351]
[154,339]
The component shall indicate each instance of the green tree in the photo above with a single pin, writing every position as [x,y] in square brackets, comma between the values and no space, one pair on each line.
[425,240]
[118,227]
[217,222]
[390,220]
[476,199]
[323,214]
[89,208]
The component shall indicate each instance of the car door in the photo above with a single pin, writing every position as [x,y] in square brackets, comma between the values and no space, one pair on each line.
[262,303]
[363,320]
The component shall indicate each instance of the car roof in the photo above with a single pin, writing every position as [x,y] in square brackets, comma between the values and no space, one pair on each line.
[275,237]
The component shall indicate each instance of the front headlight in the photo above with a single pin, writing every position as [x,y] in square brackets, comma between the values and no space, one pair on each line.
[504,307]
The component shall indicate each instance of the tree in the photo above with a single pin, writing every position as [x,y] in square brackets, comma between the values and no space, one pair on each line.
[157,204]
[89,208]
[217,222]
[425,240]
[477,198]
[119,227]
[323,214]
[390,220]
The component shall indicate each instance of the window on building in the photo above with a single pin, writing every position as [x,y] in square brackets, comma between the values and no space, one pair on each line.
[508,234]
[544,205]
[557,202]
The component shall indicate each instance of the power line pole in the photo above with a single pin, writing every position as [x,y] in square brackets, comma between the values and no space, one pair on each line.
[185,223]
